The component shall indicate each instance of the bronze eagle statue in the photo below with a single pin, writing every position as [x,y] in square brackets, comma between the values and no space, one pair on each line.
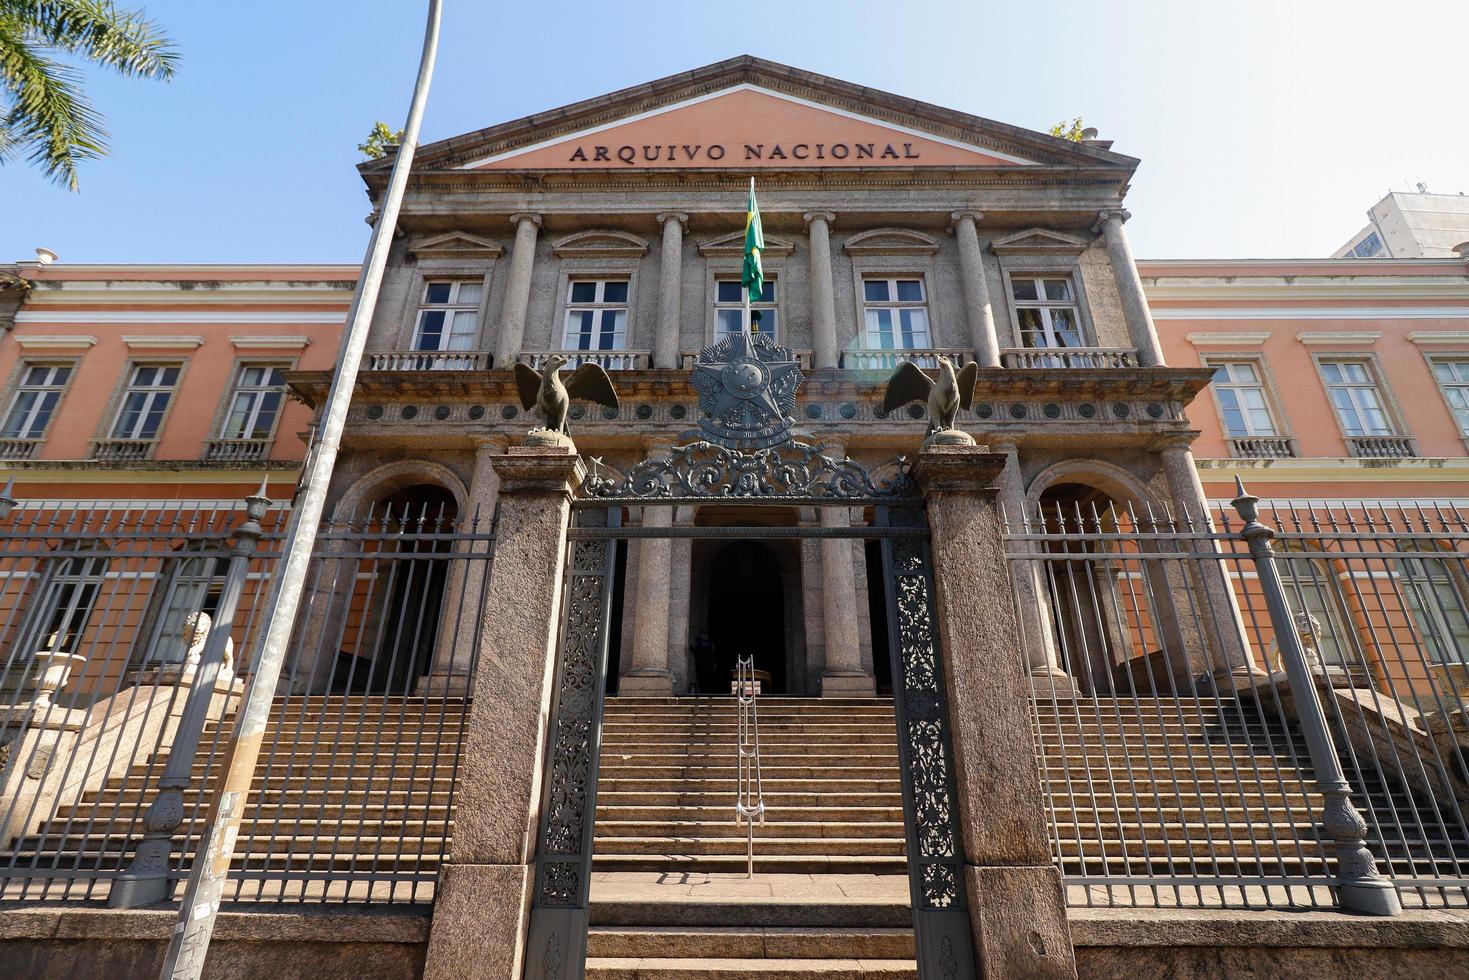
[943,397]
[544,390]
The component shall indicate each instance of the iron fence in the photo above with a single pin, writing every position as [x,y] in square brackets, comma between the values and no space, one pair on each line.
[1184,765]
[118,710]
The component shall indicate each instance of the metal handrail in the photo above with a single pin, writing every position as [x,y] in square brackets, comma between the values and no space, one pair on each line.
[750,796]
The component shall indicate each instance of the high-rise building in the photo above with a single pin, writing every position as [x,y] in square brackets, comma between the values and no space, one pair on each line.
[1407,225]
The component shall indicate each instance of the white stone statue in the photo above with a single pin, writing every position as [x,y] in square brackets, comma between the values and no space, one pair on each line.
[196,634]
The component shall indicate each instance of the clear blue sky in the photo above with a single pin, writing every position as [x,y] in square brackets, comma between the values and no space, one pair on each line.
[1265,128]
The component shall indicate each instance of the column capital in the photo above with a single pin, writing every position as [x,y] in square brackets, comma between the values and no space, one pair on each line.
[1106,215]
[964,469]
[519,217]
[825,217]
[490,444]
[658,443]
[1005,445]
[958,217]
[665,216]
[1175,441]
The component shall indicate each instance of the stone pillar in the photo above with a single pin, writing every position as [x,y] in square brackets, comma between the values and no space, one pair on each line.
[680,580]
[977,306]
[648,672]
[483,902]
[459,630]
[1219,614]
[1047,677]
[1130,287]
[517,290]
[842,674]
[1017,907]
[670,291]
[823,301]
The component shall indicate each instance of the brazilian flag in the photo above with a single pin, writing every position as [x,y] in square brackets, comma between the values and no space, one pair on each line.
[752,275]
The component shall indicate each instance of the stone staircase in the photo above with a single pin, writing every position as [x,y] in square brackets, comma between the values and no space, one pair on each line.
[356,792]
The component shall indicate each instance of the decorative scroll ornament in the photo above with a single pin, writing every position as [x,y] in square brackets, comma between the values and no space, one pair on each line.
[747,392]
[794,471]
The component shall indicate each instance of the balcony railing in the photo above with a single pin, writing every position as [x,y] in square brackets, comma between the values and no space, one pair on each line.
[122,450]
[1068,357]
[888,360]
[803,358]
[1261,447]
[429,360]
[18,448]
[1381,447]
[610,360]
[236,450]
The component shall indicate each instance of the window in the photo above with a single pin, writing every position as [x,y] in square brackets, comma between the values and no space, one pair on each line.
[150,387]
[35,400]
[195,584]
[1045,307]
[448,319]
[1353,393]
[1453,378]
[1437,603]
[596,315]
[1311,589]
[67,603]
[729,308]
[1368,247]
[256,402]
[1242,402]
[896,314]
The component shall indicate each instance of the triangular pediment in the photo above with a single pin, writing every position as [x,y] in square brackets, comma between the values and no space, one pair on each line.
[891,241]
[455,245]
[747,113]
[1039,240]
[600,244]
[734,244]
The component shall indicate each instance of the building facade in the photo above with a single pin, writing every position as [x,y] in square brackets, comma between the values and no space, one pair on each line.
[1412,226]
[1119,401]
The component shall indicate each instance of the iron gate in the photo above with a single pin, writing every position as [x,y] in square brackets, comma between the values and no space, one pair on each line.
[792,474]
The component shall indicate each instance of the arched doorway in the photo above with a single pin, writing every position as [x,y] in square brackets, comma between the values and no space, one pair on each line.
[746,614]
[412,598]
[1084,612]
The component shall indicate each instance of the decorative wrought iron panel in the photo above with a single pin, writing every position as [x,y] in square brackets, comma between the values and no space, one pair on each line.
[925,756]
[557,943]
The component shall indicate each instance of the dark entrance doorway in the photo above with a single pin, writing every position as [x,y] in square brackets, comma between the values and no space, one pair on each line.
[410,618]
[747,612]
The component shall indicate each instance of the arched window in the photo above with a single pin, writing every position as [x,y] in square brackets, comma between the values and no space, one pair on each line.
[192,583]
[65,604]
[1434,589]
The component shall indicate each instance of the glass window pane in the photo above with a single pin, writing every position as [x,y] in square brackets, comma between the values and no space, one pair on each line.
[727,321]
[170,376]
[1331,372]
[915,327]
[767,294]
[728,291]
[1032,333]
[584,292]
[1064,325]
[430,330]
[1058,290]
[1024,288]
[910,291]
[436,292]
[767,323]
[875,290]
[469,293]
[615,292]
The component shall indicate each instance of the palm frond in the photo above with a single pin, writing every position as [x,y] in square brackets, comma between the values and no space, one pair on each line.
[48,111]
[124,40]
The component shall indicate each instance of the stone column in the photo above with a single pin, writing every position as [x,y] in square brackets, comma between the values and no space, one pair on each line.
[1130,287]
[680,579]
[1218,607]
[842,674]
[670,291]
[648,671]
[981,314]
[517,290]
[1047,677]
[823,301]
[459,630]
[1017,907]
[483,901]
